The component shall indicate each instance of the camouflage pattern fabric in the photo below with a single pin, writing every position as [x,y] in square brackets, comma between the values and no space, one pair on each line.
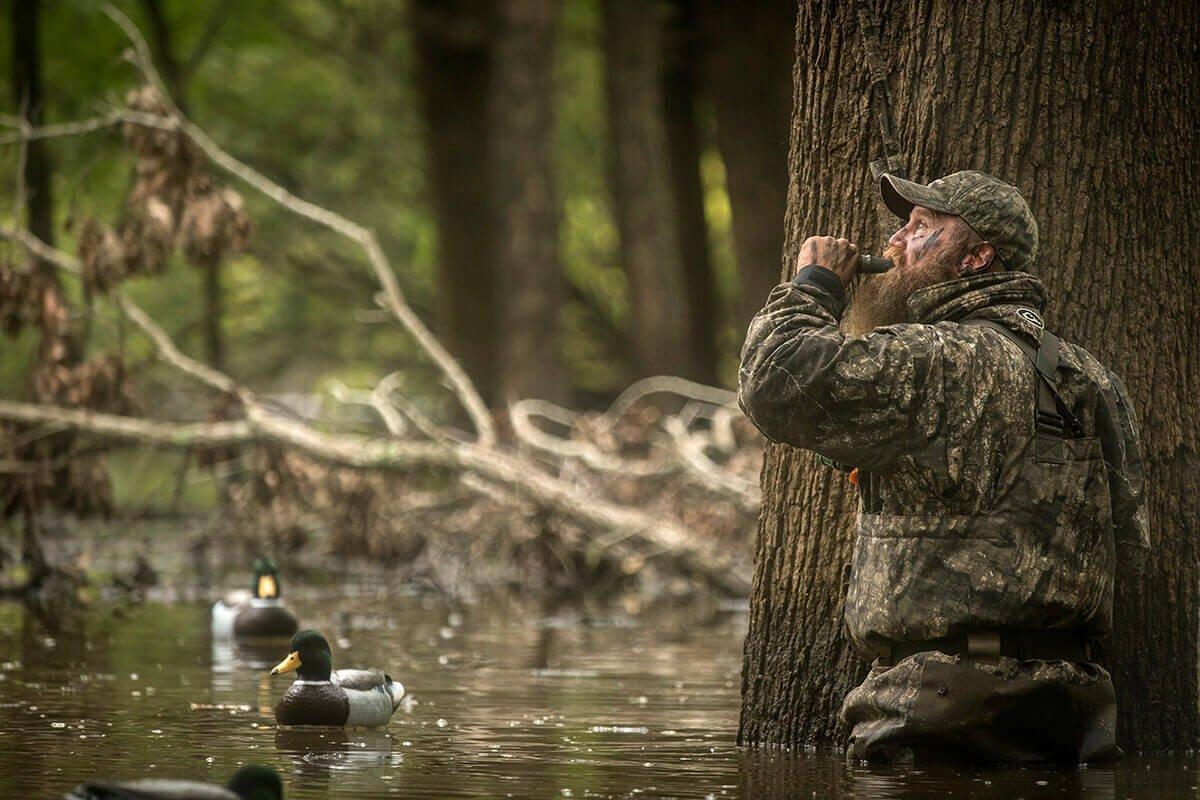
[932,706]
[960,528]
[993,208]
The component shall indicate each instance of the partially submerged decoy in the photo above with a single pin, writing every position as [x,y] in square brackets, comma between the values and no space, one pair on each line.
[320,696]
[257,613]
[251,782]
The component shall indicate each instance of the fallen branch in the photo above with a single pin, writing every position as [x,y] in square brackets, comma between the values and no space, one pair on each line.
[521,414]
[518,475]
[707,471]
[130,430]
[392,420]
[667,384]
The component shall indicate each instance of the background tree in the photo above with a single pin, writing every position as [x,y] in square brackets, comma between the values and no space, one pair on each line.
[455,53]
[1099,131]
[642,188]
[521,122]
[40,290]
[682,88]
[747,63]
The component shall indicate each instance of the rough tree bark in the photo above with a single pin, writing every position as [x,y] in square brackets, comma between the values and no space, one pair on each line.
[681,84]
[521,115]
[641,181]
[1097,129]
[748,70]
[454,62]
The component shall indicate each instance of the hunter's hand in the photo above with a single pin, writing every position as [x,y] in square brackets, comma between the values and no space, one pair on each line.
[836,255]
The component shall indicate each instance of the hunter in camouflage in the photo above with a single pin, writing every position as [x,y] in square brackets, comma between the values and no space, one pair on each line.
[994,500]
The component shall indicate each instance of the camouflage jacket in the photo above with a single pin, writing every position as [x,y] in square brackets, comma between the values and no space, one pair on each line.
[958,528]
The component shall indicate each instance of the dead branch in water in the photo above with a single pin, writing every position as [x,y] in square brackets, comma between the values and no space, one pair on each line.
[519,476]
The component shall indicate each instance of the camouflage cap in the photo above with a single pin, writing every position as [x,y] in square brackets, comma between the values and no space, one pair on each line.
[994,209]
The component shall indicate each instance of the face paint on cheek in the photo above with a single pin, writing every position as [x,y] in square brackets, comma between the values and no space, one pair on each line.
[931,242]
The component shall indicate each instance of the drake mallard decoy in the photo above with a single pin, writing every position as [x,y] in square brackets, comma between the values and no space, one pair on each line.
[320,696]
[257,613]
[251,782]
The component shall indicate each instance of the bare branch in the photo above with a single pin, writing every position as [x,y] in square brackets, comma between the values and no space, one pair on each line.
[667,384]
[465,390]
[118,428]
[110,120]
[385,395]
[722,429]
[172,354]
[391,418]
[521,414]
[42,250]
[707,471]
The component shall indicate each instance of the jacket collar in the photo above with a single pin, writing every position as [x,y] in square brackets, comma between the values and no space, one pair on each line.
[1004,297]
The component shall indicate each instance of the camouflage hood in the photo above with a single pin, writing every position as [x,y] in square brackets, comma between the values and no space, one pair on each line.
[954,301]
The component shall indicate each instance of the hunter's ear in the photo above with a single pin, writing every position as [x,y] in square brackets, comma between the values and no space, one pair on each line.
[978,261]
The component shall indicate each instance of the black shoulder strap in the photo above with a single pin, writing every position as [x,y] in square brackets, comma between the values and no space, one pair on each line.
[1053,419]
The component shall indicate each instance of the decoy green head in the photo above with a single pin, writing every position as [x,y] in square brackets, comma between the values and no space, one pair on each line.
[309,657]
[256,782]
[266,579]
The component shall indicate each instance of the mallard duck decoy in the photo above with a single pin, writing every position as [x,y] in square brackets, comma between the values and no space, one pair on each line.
[257,613]
[251,782]
[320,696]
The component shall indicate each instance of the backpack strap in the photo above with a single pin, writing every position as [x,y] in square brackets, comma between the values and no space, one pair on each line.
[1053,420]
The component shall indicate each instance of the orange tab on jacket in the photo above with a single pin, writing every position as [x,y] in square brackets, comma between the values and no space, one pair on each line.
[854,477]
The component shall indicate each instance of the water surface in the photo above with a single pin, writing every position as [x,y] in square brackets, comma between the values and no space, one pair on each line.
[504,702]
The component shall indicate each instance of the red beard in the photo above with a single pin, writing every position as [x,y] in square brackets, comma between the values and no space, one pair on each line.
[883,299]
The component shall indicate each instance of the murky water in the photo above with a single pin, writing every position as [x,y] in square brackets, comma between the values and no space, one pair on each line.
[504,704]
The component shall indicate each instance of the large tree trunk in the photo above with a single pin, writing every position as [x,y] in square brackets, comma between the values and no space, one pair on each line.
[532,289]
[680,88]
[641,179]
[454,53]
[1097,129]
[748,69]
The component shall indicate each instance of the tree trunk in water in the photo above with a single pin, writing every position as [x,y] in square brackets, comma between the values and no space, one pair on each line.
[1096,129]
[680,87]
[532,289]
[641,179]
[748,70]
[454,54]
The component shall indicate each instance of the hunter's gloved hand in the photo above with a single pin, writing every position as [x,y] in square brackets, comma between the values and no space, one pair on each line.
[837,255]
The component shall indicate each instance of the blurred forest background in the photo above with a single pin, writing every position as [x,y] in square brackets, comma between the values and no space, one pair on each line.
[574,196]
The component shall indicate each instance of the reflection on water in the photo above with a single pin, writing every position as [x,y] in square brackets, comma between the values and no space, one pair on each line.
[503,703]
